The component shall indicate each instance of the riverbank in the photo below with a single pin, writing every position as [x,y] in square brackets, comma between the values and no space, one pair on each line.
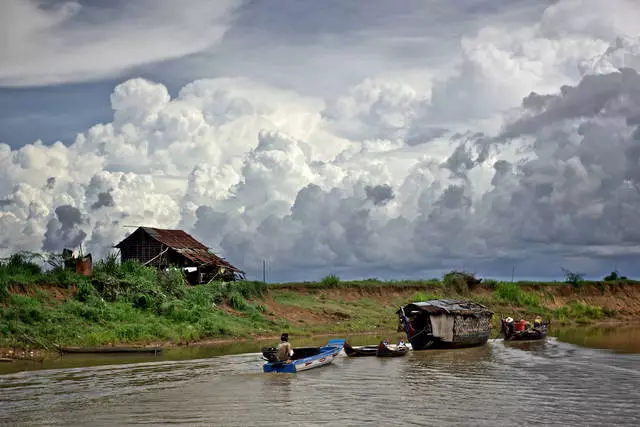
[131,304]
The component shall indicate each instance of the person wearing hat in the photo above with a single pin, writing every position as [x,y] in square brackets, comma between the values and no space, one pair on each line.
[537,322]
[285,351]
[510,326]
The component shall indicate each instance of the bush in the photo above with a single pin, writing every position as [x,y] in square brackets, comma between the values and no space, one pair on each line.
[85,292]
[577,310]
[614,277]
[421,296]
[575,279]
[491,283]
[460,282]
[512,293]
[330,281]
[236,301]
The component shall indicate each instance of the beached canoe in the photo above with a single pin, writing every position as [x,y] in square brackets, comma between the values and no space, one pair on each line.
[360,351]
[391,350]
[304,358]
[109,349]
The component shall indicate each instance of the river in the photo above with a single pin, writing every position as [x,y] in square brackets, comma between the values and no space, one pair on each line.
[544,383]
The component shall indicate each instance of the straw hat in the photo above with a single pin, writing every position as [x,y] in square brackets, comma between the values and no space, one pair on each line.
[508,320]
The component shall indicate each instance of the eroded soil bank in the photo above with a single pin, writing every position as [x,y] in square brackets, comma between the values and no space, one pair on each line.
[307,309]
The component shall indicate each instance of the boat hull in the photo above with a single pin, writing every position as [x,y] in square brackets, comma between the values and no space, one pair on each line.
[428,342]
[534,334]
[361,351]
[391,351]
[86,350]
[326,356]
[529,335]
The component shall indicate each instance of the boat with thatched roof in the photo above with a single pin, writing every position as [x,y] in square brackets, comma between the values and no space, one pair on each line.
[445,323]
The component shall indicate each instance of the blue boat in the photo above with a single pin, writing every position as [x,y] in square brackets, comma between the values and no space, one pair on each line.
[304,358]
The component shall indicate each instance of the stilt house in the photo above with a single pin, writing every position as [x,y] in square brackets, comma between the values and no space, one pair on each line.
[162,249]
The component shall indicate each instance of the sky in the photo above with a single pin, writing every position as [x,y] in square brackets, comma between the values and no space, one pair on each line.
[359,138]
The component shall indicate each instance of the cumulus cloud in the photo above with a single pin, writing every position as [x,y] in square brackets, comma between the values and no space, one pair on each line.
[63,230]
[383,179]
[69,41]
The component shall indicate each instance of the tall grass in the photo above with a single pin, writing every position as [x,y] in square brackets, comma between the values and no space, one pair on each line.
[122,302]
[512,293]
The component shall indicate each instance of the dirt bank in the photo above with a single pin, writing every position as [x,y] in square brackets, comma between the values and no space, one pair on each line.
[312,310]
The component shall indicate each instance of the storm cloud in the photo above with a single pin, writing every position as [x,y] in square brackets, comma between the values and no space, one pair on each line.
[524,150]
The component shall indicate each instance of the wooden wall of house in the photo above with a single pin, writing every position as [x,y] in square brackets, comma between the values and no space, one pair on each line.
[139,246]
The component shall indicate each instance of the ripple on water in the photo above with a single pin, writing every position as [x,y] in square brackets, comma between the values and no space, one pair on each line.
[550,383]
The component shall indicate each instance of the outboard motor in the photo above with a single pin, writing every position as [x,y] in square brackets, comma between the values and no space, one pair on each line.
[270,354]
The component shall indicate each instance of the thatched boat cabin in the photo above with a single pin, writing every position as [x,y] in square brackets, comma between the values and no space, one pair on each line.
[445,323]
[163,249]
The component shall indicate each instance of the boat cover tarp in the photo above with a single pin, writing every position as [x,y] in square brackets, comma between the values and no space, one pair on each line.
[451,306]
[442,327]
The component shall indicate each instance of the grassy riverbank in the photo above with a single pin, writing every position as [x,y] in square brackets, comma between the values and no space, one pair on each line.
[130,303]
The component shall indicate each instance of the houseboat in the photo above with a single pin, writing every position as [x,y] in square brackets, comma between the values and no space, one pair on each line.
[445,323]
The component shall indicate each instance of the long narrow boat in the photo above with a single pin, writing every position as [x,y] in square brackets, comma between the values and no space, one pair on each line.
[303,359]
[109,349]
[391,350]
[360,351]
[533,334]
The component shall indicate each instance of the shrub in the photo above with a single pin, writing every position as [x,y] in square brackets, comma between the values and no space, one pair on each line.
[614,277]
[237,301]
[512,293]
[330,281]
[460,282]
[575,279]
[577,310]
[85,292]
[421,296]
[490,283]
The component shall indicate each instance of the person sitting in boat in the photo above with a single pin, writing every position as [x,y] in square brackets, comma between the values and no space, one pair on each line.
[537,322]
[402,343]
[285,351]
[510,325]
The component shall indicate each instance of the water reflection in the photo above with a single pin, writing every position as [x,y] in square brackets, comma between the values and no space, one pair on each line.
[548,383]
[619,338]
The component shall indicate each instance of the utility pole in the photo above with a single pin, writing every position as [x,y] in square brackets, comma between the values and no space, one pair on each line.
[264,271]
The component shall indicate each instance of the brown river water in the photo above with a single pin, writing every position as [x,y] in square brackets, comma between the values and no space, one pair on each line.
[584,376]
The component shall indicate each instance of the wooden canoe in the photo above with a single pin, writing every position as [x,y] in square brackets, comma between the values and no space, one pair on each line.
[390,350]
[109,349]
[360,351]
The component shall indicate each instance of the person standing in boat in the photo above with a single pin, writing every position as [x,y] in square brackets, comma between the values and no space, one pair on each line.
[285,351]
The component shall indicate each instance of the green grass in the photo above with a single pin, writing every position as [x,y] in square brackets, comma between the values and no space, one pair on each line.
[129,302]
[121,303]
[513,293]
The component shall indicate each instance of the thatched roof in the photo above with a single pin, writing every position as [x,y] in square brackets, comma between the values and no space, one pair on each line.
[449,306]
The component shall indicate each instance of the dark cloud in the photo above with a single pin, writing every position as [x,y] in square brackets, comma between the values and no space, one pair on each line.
[379,194]
[105,199]
[595,95]
[63,231]
[51,182]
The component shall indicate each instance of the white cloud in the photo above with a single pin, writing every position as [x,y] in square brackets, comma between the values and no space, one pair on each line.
[527,151]
[67,42]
